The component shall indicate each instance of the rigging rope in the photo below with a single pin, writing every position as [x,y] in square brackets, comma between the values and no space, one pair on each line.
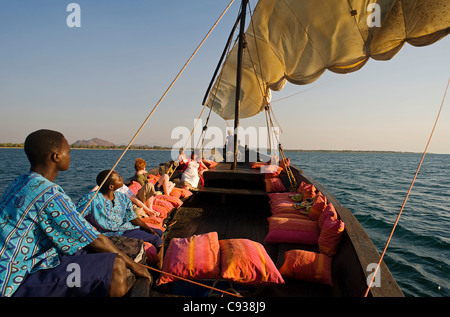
[156,106]
[190,281]
[407,194]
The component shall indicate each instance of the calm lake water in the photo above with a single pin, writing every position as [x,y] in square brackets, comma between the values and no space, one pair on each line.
[371,185]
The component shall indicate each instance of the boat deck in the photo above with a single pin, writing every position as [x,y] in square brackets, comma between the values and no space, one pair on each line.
[237,209]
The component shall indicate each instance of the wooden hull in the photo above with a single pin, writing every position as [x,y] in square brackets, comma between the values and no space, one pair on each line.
[234,204]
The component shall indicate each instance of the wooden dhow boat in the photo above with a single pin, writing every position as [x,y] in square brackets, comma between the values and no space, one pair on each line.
[293,41]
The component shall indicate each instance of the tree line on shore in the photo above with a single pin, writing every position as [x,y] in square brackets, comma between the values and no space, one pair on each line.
[101,147]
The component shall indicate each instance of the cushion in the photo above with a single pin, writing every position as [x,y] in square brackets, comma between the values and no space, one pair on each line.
[278,196]
[330,236]
[271,171]
[257,164]
[292,230]
[320,202]
[162,206]
[283,207]
[285,162]
[175,192]
[274,185]
[307,266]
[301,186]
[153,178]
[246,261]
[154,222]
[134,187]
[176,202]
[309,191]
[329,211]
[152,253]
[197,257]
[209,163]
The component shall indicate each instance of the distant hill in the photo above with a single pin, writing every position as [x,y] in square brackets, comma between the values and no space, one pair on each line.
[93,142]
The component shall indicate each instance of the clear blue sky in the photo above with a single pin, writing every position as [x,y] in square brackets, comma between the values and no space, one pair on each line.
[102,80]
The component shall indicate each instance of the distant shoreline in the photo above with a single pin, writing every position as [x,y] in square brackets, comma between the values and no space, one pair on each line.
[156,148]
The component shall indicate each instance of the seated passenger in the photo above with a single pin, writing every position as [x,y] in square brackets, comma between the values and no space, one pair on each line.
[42,234]
[163,185]
[192,173]
[111,212]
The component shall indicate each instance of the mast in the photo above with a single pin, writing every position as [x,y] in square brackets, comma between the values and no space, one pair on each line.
[238,80]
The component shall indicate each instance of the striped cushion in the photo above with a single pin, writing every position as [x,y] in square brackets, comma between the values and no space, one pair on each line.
[246,261]
[292,230]
[307,266]
[196,257]
[330,236]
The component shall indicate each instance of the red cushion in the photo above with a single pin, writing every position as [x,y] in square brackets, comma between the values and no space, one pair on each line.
[330,236]
[197,257]
[274,185]
[246,261]
[307,266]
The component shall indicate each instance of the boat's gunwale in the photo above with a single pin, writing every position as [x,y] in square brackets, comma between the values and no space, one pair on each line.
[361,243]
[355,238]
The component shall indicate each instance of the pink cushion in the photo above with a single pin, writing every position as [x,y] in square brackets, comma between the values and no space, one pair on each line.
[246,261]
[283,207]
[330,236]
[307,266]
[277,196]
[292,230]
[328,212]
[274,185]
[151,252]
[197,257]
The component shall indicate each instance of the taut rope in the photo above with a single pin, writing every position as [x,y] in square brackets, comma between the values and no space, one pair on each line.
[156,106]
[407,195]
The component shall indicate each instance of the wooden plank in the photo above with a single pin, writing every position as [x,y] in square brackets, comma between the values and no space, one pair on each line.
[230,191]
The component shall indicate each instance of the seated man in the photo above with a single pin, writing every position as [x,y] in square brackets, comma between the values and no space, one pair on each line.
[111,212]
[41,231]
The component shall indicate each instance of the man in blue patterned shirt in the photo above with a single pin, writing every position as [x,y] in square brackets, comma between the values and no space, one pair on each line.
[41,233]
[111,212]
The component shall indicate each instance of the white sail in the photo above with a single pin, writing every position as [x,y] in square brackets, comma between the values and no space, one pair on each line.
[297,40]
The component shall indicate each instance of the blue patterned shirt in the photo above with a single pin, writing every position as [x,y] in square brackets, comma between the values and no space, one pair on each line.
[38,223]
[108,217]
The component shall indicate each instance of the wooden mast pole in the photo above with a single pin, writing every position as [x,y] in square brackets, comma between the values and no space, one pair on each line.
[238,80]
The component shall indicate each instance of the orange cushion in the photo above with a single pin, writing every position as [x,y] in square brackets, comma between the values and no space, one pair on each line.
[257,164]
[197,257]
[134,187]
[292,230]
[330,236]
[307,266]
[301,186]
[246,261]
[176,202]
[320,202]
[309,191]
[274,185]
